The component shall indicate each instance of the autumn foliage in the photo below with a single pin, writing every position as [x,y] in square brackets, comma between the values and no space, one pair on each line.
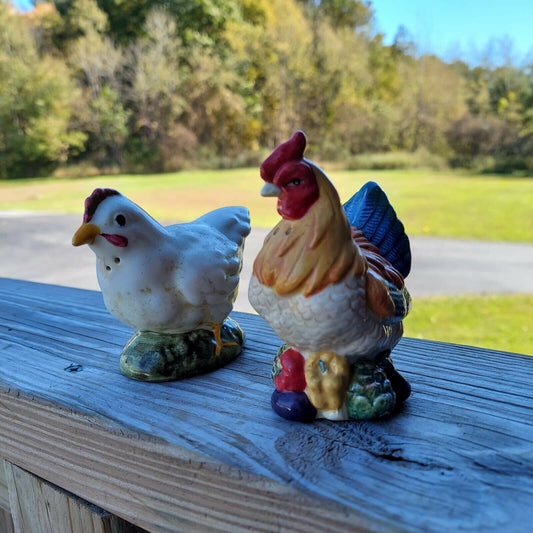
[150,86]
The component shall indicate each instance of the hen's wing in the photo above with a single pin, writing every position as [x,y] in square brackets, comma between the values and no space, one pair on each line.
[210,263]
[233,222]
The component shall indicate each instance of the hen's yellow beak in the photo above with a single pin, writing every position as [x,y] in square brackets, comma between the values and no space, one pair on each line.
[86,234]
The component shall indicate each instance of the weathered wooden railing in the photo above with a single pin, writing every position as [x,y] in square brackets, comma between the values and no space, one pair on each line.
[208,453]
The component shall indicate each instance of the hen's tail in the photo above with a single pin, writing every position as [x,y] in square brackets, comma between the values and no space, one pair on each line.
[233,222]
[370,211]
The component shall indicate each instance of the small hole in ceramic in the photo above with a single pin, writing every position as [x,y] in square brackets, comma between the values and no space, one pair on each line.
[108,268]
[117,260]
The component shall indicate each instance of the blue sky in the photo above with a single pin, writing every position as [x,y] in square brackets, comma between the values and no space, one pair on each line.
[452,28]
[23,5]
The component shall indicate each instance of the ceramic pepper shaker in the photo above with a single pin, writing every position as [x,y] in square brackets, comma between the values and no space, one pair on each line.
[175,285]
[329,280]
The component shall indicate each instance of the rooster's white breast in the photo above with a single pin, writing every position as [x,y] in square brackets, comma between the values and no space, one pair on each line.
[335,319]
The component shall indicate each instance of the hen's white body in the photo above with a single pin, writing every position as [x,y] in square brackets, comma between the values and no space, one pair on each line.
[168,279]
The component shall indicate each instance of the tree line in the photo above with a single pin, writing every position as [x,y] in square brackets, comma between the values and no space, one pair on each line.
[155,86]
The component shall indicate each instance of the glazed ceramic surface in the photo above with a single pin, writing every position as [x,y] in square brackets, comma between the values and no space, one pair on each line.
[169,280]
[329,279]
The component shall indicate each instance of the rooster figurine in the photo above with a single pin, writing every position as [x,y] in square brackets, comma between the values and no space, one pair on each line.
[176,285]
[329,280]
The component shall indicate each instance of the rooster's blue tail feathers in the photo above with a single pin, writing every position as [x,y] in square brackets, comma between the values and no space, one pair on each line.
[369,210]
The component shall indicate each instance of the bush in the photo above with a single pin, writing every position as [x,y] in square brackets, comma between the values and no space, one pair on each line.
[515,165]
[397,160]
[36,101]
[247,158]
[474,136]
[511,165]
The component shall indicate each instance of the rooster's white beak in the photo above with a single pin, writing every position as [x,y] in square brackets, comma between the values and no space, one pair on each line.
[269,189]
[86,234]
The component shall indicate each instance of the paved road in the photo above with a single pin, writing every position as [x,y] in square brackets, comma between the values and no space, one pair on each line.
[37,247]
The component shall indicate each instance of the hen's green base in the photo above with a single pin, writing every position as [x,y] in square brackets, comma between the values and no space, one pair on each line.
[153,356]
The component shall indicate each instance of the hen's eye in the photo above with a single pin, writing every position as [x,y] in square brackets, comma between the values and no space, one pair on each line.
[120,220]
[295,182]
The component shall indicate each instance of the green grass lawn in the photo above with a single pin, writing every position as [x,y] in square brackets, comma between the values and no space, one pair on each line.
[440,204]
[498,322]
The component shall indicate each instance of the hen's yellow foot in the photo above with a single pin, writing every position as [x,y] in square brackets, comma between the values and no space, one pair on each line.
[217,331]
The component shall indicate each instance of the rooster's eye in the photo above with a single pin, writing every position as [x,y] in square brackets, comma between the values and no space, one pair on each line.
[120,220]
[295,182]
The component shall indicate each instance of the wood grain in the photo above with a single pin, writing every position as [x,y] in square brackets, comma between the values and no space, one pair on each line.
[38,506]
[4,494]
[6,523]
[208,454]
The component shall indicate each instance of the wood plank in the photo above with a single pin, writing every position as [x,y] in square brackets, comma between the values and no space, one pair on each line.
[39,506]
[6,523]
[4,494]
[209,454]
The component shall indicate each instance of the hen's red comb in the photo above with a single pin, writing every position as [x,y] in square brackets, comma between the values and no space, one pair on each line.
[93,201]
[291,150]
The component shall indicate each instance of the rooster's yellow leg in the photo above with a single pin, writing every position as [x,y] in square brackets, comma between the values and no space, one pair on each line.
[217,330]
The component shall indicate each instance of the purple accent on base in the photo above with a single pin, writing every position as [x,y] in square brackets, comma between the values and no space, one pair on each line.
[293,406]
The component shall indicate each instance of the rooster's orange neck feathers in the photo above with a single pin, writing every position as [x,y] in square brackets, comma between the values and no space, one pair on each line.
[310,253]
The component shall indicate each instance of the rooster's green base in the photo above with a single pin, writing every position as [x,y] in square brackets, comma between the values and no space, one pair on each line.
[374,389]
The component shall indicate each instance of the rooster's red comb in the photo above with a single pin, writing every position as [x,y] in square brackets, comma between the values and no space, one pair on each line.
[93,201]
[291,150]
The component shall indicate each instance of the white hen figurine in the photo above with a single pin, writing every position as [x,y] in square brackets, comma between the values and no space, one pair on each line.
[168,280]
